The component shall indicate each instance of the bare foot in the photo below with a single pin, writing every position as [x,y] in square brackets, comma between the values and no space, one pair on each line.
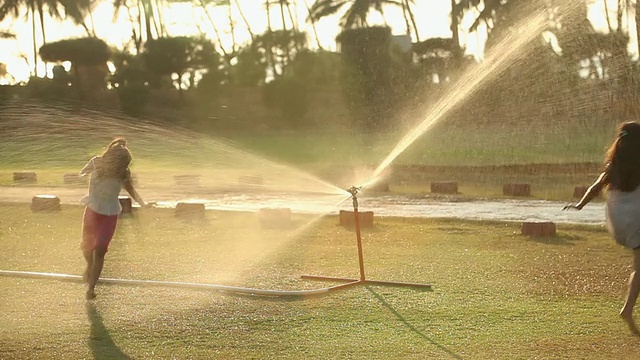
[90,294]
[628,318]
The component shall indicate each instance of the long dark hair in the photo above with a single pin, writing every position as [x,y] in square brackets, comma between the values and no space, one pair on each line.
[114,162]
[623,158]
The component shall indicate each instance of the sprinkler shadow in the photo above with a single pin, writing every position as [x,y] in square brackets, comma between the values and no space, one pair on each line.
[100,341]
[410,326]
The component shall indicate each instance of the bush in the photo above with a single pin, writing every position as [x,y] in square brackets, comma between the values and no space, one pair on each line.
[133,98]
[289,96]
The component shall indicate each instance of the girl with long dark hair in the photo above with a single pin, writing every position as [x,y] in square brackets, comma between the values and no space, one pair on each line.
[621,178]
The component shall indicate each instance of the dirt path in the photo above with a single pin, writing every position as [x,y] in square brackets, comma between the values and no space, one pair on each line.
[387,205]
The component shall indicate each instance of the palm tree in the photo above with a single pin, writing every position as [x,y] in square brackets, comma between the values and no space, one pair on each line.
[71,9]
[410,18]
[313,25]
[7,35]
[638,24]
[244,18]
[203,4]
[146,18]
[356,13]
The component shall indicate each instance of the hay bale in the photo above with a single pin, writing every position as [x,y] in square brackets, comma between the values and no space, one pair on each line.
[189,210]
[348,219]
[126,204]
[538,228]
[516,189]
[45,203]
[26,177]
[275,217]
[74,179]
[444,187]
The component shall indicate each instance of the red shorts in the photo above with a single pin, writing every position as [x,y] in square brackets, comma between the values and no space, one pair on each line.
[97,230]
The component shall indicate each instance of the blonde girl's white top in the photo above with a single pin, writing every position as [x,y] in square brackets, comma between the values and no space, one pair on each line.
[623,217]
[103,193]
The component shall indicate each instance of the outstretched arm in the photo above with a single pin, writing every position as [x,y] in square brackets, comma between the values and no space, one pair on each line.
[591,192]
[87,169]
[132,191]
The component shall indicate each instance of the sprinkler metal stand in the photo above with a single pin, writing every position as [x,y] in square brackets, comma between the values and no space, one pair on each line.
[362,281]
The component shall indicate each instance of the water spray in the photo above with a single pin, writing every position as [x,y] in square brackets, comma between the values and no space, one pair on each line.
[362,281]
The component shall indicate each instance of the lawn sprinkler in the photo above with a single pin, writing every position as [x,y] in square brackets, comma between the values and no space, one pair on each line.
[235,289]
[362,281]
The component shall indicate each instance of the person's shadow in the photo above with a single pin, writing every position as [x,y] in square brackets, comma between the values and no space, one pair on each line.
[419,333]
[100,342]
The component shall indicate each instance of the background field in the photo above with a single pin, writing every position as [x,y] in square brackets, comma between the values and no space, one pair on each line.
[59,142]
[495,294]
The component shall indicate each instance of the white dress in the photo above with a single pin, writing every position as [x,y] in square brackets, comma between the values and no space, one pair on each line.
[623,217]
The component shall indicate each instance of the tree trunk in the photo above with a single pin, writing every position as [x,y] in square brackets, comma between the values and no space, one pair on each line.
[93,23]
[41,14]
[215,28]
[638,26]
[284,28]
[606,15]
[619,15]
[146,11]
[159,18]
[406,17]
[232,30]
[268,7]
[313,26]
[244,18]
[413,20]
[284,20]
[268,46]
[35,44]
[455,35]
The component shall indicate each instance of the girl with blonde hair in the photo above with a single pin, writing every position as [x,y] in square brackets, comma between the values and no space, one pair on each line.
[109,175]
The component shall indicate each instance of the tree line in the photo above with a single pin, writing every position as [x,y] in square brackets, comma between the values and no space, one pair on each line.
[374,75]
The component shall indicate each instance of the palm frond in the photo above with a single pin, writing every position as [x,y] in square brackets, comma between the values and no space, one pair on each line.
[323,8]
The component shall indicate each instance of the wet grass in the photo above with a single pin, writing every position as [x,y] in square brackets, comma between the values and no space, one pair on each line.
[495,293]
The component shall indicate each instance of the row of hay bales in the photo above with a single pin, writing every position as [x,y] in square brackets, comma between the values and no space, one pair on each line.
[282,217]
[184,210]
[440,187]
[279,217]
[517,190]
[30,177]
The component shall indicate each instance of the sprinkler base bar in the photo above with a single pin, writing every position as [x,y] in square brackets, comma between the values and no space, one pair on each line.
[366,282]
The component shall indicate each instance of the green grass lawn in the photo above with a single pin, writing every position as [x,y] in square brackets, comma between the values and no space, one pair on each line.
[495,294]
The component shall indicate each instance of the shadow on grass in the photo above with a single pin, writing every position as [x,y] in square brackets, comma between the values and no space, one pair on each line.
[100,341]
[560,239]
[411,327]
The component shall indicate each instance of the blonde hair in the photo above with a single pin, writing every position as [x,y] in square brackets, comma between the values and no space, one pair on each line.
[114,162]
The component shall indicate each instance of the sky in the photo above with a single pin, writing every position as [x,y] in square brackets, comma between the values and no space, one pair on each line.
[432,17]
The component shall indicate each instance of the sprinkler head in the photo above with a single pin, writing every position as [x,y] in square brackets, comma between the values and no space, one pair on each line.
[354,190]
